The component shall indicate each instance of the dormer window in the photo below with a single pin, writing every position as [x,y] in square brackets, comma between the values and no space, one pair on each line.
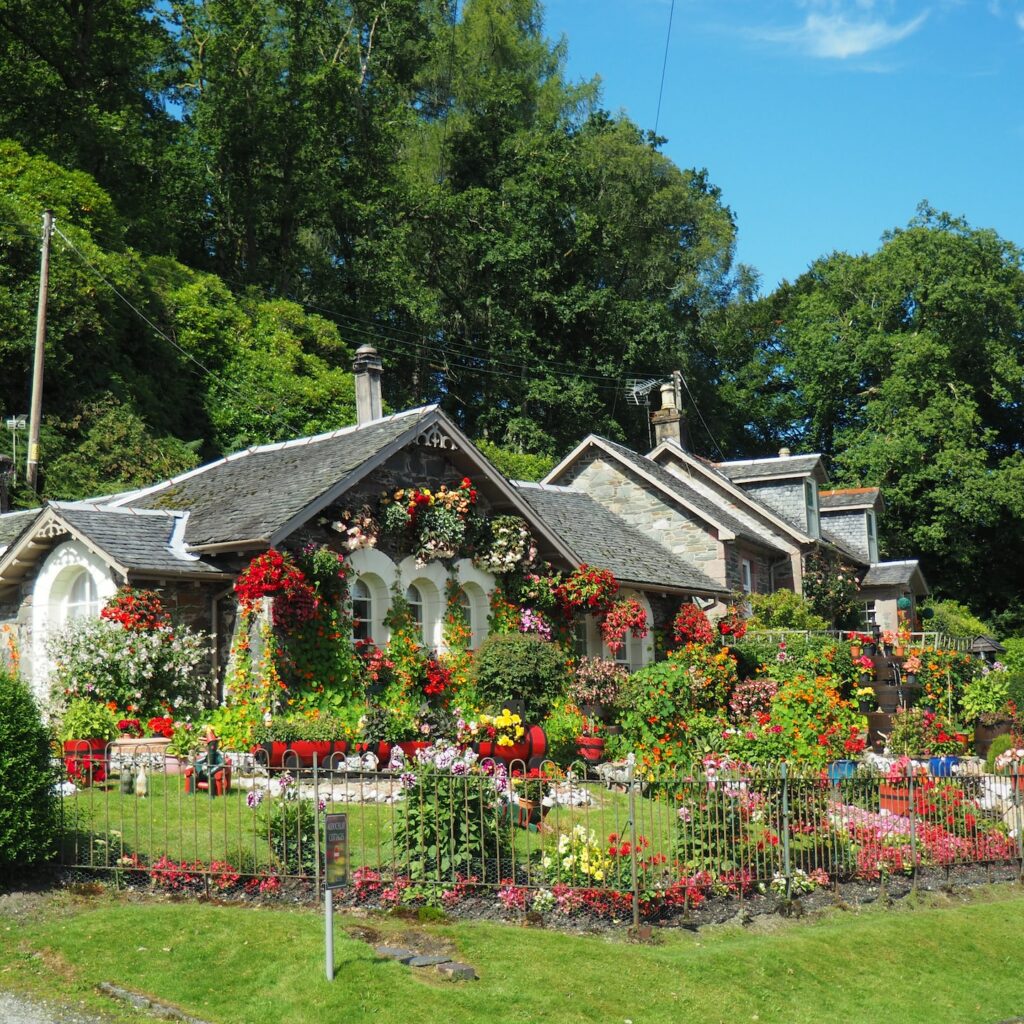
[811,506]
[872,528]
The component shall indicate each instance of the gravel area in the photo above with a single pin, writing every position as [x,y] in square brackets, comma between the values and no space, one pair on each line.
[18,1010]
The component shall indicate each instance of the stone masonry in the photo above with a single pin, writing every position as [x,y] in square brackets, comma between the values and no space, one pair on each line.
[645,508]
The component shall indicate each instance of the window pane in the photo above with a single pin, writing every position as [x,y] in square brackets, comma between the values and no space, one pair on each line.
[82,600]
[415,601]
[579,637]
[362,611]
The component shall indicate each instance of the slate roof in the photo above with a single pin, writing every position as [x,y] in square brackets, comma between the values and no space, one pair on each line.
[890,574]
[13,523]
[770,469]
[142,541]
[251,494]
[601,538]
[705,505]
[850,497]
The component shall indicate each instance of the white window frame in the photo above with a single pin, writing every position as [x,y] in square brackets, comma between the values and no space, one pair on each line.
[871,525]
[362,624]
[746,576]
[811,507]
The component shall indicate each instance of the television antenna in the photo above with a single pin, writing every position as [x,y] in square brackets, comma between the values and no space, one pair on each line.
[638,390]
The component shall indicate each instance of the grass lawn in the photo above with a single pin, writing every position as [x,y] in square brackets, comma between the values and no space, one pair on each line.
[169,823]
[949,962]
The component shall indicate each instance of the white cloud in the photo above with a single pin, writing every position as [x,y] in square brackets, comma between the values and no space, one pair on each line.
[836,36]
[1020,20]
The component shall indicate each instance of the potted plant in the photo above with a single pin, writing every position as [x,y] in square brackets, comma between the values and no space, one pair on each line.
[590,744]
[595,687]
[86,727]
[531,797]
[503,737]
[866,701]
[894,789]
[911,667]
[186,741]
[985,703]
[866,666]
[888,641]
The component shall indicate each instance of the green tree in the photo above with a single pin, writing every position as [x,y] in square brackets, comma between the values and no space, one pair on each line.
[906,369]
[82,85]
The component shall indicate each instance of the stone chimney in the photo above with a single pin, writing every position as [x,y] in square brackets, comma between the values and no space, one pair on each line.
[367,369]
[669,423]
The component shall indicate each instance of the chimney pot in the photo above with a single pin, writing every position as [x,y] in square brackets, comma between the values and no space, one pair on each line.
[668,395]
[784,453]
[367,370]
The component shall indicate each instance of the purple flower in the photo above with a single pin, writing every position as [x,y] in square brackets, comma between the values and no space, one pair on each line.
[254,798]
[408,780]
[286,780]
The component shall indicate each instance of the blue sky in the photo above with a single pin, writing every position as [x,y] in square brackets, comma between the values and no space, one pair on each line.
[824,122]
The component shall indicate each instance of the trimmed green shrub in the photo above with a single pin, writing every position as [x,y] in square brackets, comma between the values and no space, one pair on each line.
[1000,745]
[783,610]
[28,807]
[521,666]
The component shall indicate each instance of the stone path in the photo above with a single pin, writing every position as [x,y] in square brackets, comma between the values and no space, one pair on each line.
[444,965]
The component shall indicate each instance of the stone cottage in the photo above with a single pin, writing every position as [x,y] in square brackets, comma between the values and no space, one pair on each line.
[669,525]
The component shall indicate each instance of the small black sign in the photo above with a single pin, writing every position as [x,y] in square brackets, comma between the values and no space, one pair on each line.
[336,847]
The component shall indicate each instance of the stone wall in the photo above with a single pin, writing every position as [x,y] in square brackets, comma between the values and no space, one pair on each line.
[644,507]
[784,496]
[760,568]
[849,526]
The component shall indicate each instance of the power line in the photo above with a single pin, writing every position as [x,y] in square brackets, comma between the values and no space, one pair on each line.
[664,65]
[700,415]
[463,350]
[213,375]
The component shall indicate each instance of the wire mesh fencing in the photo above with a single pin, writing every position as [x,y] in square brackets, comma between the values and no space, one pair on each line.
[456,832]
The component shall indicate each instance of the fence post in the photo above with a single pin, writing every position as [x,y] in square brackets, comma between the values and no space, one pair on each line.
[913,826]
[630,769]
[1018,816]
[784,774]
[316,820]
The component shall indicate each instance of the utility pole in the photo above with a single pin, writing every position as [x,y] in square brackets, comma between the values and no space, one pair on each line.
[32,462]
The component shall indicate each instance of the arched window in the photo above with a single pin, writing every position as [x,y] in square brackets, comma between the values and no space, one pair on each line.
[414,598]
[82,601]
[467,611]
[362,611]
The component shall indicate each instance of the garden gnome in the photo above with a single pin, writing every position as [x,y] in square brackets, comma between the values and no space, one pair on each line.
[141,782]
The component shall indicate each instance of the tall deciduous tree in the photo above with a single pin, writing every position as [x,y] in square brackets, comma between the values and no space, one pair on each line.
[906,368]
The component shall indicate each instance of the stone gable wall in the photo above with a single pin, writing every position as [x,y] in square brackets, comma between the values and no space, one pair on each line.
[786,497]
[850,527]
[644,507]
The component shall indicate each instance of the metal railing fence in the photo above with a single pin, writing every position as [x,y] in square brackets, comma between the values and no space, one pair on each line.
[623,844]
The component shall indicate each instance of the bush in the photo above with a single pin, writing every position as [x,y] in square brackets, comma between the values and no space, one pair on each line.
[521,666]
[453,821]
[955,619]
[1000,745]
[783,610]
[561,728]
[28,808]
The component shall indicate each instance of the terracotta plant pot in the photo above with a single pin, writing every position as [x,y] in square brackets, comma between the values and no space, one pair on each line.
[895,797]
[856,650]
[898,651]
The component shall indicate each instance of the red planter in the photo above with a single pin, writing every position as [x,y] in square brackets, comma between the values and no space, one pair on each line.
[538,742]
[590,748]
[895,797]
[517,752]
[86,761]
[307,750]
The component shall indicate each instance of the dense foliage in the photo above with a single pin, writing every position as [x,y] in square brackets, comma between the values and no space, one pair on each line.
[28,808]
